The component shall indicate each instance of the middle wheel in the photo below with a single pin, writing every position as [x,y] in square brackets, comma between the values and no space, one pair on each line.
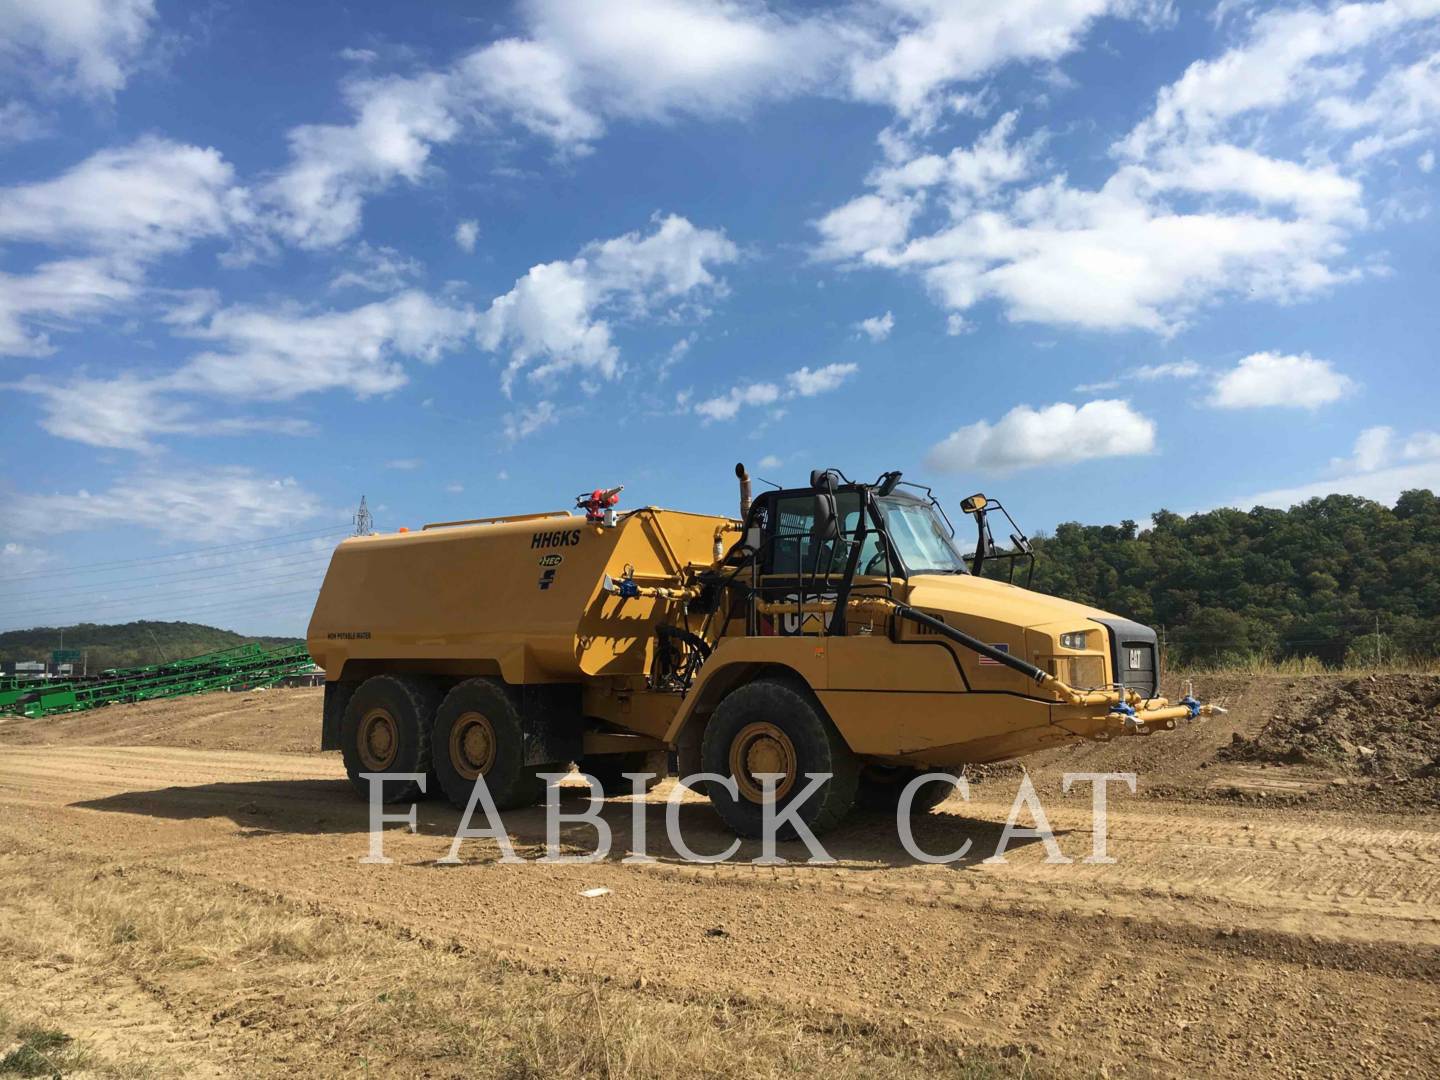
[478,733]
[776,726]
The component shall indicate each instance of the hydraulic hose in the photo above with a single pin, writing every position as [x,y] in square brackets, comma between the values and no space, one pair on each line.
[1000,656]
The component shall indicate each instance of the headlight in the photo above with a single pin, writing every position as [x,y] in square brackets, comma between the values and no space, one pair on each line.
[1074,640]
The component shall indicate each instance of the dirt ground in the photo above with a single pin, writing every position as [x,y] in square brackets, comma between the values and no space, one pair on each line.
[183,894]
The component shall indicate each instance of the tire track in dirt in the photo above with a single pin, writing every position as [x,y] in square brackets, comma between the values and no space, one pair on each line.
[1202,923]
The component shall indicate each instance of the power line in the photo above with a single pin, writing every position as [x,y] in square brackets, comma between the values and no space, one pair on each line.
[120,603]
[222,570]
[243,605]
[69,570]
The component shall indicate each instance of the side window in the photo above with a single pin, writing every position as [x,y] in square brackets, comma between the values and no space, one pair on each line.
[794,518]
[792,521]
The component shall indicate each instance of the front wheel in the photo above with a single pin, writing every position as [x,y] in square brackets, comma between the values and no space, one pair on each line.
[776,726]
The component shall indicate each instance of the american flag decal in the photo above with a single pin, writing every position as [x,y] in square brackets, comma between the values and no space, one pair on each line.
[1002,646]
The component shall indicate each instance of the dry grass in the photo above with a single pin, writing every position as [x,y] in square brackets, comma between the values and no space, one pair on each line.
[296,990]
[1304,665]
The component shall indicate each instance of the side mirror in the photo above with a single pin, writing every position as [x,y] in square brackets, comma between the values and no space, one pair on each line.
[974,504]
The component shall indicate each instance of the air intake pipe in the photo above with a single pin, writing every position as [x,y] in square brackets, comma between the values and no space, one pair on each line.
[744,478]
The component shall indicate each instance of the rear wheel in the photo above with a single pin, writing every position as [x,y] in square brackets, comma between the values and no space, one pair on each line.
[881,785]
[386,729]
[478,733]
[775,726]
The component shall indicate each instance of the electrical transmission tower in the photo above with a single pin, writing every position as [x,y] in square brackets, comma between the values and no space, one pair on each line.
[364,523]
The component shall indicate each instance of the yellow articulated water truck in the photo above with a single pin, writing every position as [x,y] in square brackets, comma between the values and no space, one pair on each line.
[833,628]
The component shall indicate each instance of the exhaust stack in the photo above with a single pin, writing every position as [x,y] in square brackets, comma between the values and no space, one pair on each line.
[744,478]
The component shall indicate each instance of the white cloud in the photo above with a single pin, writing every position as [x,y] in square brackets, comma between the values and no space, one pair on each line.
[656,58]
[526,422]
[1404,106]
[20,123]
[319,196]
[807,383]
[534,85]
[404,464]
[1121,257]
[581,65]
[677,353]
[150,198]
[260,355]
[1272,379]
[54,294]
[728,405]
[1289,55]
[1059,434]
[18,559]
[127,412]
[454,489]
[177,505]
[1378,448]
[276,355]
[1373,448]
[377,269]
[1198,210]
[877,328]
[797,384]
[122,208]
[1177,369]
[935,45]
[865,225]
[1385,486]
[555,318]
[1373,471]
[90,46]
[770,461]
[968,173]
[467,233]
[1422,445]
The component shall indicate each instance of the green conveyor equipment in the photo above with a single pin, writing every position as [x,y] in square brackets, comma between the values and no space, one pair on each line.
[244,667]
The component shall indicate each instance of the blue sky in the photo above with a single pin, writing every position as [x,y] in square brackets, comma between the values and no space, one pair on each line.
[1097,257]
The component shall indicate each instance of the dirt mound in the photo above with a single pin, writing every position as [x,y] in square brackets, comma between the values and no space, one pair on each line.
[1382,726]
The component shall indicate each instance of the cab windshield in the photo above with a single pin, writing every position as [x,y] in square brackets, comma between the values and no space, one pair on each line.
[921,539]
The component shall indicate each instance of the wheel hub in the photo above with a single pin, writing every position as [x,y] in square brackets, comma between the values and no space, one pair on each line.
[472,745]
[761,748]
[379,740]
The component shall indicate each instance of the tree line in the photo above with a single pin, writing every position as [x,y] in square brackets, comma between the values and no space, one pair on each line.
[1229,586]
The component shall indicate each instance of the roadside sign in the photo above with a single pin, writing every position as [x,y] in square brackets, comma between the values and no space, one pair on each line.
[65,656]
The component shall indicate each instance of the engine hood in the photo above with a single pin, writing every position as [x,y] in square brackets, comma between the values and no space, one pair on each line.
[983,598]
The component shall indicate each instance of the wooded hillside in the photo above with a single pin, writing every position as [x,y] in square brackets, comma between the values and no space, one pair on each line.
[1229,584]
[125,644]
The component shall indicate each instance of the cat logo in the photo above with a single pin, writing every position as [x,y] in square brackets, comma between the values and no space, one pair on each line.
[551,560]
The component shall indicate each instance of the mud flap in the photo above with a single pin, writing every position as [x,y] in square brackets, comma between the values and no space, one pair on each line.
[337,696]
[550,718]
